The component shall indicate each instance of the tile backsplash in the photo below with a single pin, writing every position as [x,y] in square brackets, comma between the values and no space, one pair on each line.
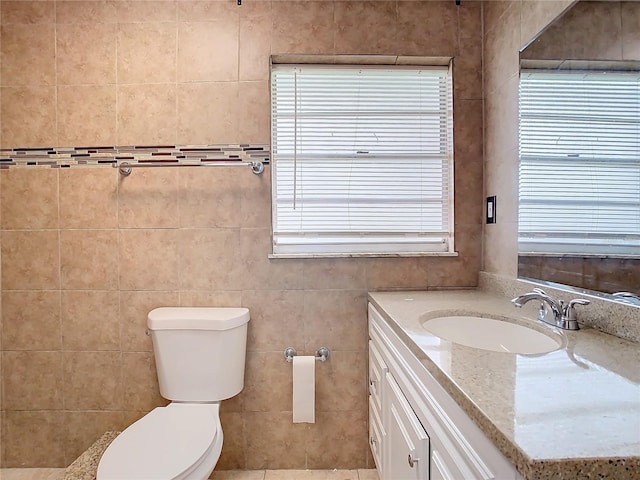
[614,318]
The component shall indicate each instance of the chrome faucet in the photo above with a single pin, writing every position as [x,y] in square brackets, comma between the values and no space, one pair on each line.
[632,298]
[553,311]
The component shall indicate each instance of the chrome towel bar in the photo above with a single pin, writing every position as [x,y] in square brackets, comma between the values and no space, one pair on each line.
[126,167]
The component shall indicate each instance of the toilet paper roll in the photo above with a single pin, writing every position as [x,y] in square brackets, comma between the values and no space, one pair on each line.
[304,389]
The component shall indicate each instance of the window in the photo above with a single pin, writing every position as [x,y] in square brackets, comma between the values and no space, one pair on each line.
[362,160]
[579,162]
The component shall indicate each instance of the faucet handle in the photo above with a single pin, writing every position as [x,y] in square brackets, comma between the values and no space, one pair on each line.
[579,301]
[570,312]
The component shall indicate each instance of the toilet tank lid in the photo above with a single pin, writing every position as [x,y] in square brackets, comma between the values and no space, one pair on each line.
[196,318]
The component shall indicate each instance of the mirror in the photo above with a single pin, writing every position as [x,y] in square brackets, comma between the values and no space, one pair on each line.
[591,36]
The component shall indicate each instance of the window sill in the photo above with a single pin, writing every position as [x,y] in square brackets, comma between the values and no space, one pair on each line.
[362,255]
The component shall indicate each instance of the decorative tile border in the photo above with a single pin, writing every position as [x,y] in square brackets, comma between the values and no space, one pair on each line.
[112,156]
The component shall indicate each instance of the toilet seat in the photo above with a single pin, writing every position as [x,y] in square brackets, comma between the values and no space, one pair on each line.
[168,443]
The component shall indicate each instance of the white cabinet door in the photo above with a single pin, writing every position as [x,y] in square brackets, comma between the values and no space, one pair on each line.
[377,370]
[407,443]
[376,436]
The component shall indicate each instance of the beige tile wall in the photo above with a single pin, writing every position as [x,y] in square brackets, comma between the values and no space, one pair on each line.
[594,30]
[86,254]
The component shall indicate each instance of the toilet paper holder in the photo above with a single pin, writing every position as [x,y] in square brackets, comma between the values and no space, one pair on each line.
[322,354]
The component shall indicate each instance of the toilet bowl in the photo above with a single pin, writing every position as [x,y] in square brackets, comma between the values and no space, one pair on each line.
[200,357]
[179,441]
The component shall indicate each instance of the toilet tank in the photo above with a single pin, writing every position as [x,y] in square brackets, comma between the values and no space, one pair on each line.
[199,351]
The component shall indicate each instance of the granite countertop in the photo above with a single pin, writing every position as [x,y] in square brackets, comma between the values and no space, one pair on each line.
[570,413]
[85,466]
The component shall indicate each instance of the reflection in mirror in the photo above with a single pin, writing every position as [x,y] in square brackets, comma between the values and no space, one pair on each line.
[579,185]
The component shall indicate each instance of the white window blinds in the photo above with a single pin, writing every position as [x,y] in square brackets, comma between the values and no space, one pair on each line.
[579,189]
[362,160]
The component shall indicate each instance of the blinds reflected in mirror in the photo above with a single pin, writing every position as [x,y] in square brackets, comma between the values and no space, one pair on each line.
[579,185]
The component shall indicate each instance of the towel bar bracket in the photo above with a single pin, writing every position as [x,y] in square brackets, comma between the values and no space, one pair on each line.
[322,354]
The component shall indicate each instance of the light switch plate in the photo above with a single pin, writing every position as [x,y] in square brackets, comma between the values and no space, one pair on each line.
[491,209]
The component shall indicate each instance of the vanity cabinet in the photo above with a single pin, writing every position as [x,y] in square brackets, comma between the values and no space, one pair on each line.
[416,430]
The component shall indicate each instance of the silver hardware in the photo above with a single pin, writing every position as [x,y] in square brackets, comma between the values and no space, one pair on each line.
[553,311]
[412,461]
[627,297]
[289,353]
[125,168]
[322,354]
[147,332]
[570,312]
[257,167]
[373,441]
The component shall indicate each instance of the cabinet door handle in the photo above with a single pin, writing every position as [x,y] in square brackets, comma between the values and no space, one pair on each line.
[412,460]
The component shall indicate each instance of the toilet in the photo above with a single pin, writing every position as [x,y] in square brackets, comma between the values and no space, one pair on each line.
[200,359]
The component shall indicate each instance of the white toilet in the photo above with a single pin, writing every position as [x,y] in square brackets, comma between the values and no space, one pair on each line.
[200,358]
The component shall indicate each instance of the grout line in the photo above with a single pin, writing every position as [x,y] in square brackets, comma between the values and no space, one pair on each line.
[177,70]
[55,75]
[239,24]
[60,289]
[45,473]
[116,85]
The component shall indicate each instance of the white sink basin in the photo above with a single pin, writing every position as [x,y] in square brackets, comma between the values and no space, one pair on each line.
[489,334]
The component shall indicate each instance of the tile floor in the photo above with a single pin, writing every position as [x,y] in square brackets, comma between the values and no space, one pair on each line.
[58,474]
[31,473]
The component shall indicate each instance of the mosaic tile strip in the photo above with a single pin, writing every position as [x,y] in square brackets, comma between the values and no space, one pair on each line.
[114,156]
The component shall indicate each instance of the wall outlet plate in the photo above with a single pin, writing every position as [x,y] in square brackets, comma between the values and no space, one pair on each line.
[491,209]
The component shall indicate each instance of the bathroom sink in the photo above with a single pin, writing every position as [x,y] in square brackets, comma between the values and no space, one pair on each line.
[491,334]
